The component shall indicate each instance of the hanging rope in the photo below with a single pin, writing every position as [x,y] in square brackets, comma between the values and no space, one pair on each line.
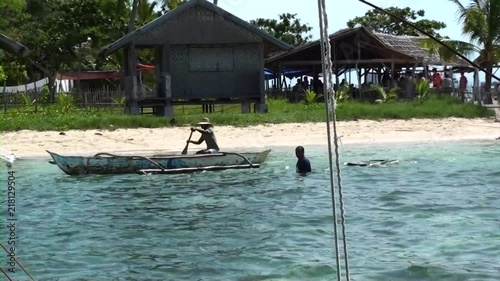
[330,107]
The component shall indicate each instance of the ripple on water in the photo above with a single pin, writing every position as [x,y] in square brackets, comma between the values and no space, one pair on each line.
[434,216]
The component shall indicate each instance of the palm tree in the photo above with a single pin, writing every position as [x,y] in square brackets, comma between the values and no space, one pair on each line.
[481,23]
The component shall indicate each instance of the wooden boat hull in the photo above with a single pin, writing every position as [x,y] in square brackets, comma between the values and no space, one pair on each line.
[116,164]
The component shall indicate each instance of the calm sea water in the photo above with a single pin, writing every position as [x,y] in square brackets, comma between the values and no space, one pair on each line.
[435,216]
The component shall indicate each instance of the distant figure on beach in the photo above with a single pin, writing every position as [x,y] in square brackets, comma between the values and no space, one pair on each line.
[303,164]
[436,79]
[207,136]
[463,85]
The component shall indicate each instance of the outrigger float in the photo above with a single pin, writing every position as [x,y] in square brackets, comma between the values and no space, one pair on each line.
[106,163]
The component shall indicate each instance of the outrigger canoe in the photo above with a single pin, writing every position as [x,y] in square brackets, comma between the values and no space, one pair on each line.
[105,163]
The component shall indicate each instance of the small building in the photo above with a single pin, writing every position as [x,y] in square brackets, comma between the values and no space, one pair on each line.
[204,55]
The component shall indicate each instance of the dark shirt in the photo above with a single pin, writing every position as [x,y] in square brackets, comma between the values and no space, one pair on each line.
[303,165]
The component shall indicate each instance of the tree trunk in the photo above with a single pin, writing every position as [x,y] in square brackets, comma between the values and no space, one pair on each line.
[133,16]
[52,87]
[489,68]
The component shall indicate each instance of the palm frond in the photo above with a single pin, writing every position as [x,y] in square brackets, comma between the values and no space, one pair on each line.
[460,11]
[475,25]
[380,90]
[433,47]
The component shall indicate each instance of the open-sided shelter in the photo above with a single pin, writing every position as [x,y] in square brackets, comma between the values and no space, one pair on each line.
[361,48]
[204,55]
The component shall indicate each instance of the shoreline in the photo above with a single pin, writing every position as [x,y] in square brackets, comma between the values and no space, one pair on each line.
[32,145]
[149,153]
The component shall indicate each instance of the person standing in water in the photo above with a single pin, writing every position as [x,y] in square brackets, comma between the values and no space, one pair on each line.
[303,164]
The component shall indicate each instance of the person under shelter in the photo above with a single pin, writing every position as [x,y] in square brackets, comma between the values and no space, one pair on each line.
[207,136]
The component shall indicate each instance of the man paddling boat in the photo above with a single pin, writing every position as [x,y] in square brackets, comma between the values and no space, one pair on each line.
[207,136]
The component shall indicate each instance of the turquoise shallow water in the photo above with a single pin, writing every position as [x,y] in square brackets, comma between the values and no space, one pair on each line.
[435,216]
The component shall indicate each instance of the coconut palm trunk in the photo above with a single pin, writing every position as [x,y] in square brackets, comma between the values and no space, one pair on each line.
[133,16]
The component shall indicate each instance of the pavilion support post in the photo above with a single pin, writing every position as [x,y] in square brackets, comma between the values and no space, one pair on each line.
[358,71]
[280,83]
[337,78]
[164,84]
[261,106]
[393,73]
[414,80]
[130,81]
[315,79]
[407,82]
[335,65]
[477,90]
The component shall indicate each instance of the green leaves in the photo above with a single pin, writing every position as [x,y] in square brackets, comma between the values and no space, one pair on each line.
[481,23]
[288,28]
[447,55]
[13,4]
[310,97]
[386,97]
[424,91]
[2,74]
[383,23]
[63,35]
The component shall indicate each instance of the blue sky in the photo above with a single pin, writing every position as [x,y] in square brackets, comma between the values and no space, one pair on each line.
[341,11]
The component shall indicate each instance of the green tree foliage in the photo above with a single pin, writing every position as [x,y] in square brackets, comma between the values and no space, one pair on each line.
[481,23]
[2,74]
[383,23]
[66,35]
[63,34]
[12,4]
[288,28]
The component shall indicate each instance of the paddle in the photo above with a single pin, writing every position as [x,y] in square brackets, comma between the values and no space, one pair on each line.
[185,151]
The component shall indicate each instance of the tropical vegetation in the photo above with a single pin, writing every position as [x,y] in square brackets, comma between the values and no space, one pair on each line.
[66,35]
[64,115]
[44,25]
[383,23]
[480,21]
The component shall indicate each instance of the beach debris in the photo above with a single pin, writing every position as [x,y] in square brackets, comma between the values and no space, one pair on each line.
[8,157]
[62,133]
[99,134]
[372,163]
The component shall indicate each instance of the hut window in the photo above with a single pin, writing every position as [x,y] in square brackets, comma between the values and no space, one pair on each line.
[211,59]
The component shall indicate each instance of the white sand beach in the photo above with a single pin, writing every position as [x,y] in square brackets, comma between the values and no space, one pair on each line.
[32,144]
